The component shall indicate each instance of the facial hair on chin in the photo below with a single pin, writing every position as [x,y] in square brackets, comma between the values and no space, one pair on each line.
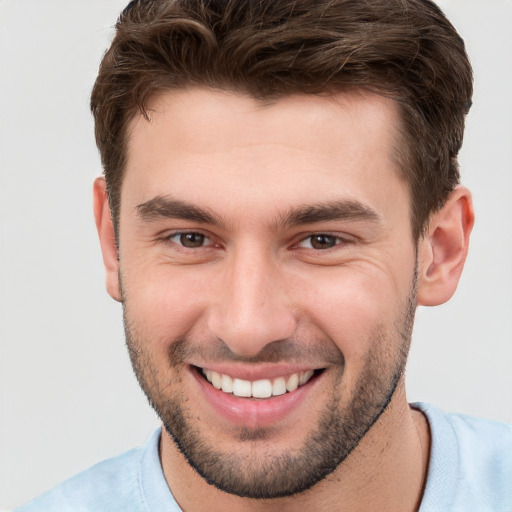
[259,471]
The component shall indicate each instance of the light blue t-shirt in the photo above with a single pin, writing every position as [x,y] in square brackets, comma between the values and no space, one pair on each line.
[470,471]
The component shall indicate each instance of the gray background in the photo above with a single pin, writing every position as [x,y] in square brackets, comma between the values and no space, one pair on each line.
[67,394]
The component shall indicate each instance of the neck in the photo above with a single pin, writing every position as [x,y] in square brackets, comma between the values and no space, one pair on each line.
[386,472]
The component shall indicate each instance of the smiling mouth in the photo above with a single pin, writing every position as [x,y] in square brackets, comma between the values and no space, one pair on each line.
[263,388]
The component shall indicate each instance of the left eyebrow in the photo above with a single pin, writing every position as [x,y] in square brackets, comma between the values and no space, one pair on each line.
[334,210]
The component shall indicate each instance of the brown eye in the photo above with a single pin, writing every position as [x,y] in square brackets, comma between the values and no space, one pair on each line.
[190,240]
[323,241]
[320,241]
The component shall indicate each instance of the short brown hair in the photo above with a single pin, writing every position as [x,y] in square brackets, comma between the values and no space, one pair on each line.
[403,49]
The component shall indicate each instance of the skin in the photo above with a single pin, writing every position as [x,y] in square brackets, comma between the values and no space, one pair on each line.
[257,282]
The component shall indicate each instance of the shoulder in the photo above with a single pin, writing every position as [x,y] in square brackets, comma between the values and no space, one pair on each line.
[470,463]
[477,440]
[111,485]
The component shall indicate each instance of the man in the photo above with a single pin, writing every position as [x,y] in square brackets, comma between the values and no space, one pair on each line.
[280,193]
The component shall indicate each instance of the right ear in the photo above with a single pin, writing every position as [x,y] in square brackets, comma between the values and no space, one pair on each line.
[106,233]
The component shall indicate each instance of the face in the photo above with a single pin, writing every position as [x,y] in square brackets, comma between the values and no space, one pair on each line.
[267,270]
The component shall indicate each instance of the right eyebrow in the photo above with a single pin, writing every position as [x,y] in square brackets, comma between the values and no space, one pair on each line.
[161,207]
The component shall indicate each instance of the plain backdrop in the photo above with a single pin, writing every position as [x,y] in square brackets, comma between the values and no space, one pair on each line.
[67,394]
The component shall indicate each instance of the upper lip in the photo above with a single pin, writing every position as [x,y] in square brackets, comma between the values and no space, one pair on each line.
[259,372]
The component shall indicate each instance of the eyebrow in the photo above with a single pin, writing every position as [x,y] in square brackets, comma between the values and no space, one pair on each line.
[168,208]
[161,207]
[332,210]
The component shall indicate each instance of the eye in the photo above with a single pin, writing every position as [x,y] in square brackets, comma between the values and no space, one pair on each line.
[320,241]
[190,240]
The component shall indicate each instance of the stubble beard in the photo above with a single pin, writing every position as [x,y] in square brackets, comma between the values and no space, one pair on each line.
[260,472]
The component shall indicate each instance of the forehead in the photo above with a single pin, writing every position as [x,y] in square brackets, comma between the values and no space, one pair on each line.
[214,145]
[223,118]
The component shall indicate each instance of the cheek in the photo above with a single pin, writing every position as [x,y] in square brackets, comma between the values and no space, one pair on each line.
[353,307]
[163,302]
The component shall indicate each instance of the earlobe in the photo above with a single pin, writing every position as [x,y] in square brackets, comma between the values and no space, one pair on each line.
[107,238]
[443,250]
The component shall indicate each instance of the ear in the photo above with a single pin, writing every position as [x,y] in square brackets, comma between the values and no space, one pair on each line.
[107,237]
[443,249]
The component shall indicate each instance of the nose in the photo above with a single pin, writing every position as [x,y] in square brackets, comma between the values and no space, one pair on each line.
[252,308]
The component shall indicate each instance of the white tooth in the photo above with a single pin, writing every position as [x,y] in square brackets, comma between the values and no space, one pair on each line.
[305,376]
[241,387]
[279,386]
[227,383]
[216,380]
[293,382]
[261,388]
[208,375]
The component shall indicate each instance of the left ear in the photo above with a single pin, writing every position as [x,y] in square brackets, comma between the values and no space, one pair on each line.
[443,249]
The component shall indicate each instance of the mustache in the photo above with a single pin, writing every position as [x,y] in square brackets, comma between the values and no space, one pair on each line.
[322,352]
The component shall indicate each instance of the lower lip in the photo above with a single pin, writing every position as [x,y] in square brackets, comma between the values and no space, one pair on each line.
[253,412]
